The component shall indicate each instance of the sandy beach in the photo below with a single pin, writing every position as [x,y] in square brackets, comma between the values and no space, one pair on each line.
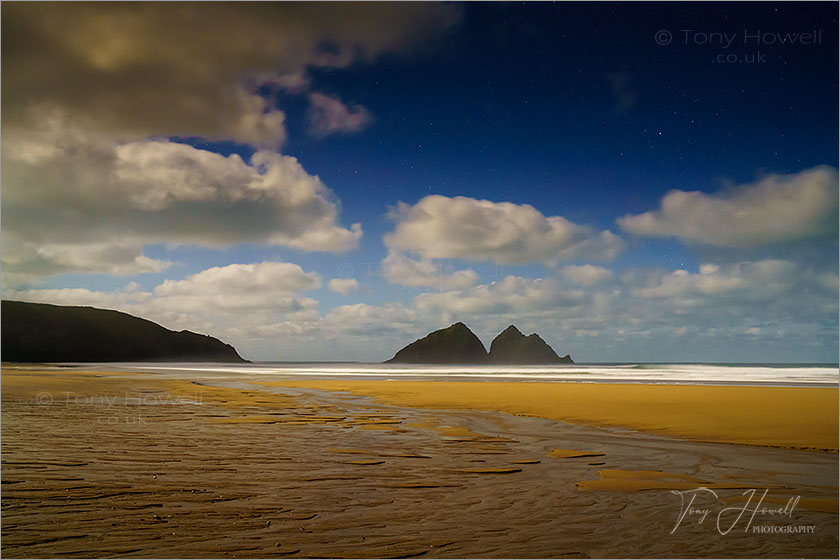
[102,464]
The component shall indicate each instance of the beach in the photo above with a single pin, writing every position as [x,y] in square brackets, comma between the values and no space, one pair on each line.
[133,464]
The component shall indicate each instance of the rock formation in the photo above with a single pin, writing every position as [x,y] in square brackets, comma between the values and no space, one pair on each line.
[513,347]
[458,345]
[455,344]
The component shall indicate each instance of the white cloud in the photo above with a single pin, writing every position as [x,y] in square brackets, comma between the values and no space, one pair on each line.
[365,320]
[774,209]
[501,232]
[241,287]
[78,296]
[328,115]
[283,329]
[586,275]
[239,300]
[343,286]
[371,332]
[120,259]
[748,281]
[74,202]
[513,294]
[399,269]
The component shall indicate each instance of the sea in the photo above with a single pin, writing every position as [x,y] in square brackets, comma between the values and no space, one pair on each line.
[772,374]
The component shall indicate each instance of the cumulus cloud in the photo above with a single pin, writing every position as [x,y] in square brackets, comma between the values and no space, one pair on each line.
[371,332]
[120,299]
[328,115]
[400,269]
[784,309]
[138,69]
[586,275]
[774,209]
[241,288]
[781,298]
[73,202]
[513,294]
[343,286]
[365,320]
[29,261]
[480,230]
[237,301]
[746,282]
[710,309]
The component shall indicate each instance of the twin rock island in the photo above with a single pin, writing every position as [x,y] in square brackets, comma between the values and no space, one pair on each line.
[457,344]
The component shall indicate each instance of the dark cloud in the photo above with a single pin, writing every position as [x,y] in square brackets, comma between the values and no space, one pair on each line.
[161,68]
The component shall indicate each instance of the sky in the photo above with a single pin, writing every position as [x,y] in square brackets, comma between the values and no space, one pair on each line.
[315,181]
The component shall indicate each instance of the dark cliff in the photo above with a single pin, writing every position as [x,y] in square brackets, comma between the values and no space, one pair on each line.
[38,332]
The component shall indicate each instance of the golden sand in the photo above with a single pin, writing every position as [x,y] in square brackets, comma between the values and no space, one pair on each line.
[619,480]
[573,453]
[791,417]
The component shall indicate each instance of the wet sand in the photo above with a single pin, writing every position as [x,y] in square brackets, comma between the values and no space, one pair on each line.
[792,417]
[103,465]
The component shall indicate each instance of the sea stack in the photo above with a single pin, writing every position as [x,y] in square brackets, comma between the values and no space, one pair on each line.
[455,344]
[513,347]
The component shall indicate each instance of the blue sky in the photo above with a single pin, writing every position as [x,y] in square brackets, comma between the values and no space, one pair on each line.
[549,165]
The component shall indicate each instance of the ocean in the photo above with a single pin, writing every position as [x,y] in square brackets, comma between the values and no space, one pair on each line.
[811,375]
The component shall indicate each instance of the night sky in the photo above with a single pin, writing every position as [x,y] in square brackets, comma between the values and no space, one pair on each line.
[634,181]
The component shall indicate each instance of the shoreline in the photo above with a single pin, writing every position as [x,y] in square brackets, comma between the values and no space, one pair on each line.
[403,374]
